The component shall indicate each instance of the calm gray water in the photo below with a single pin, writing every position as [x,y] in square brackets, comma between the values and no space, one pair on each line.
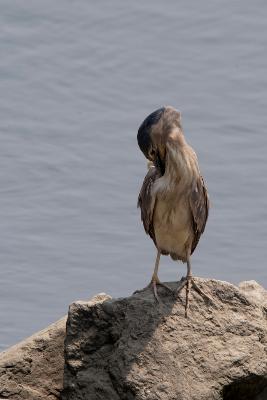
[77,79]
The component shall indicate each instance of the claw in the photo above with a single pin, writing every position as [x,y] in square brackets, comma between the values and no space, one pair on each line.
[154,285]
[189,282]
[200,291]
[154,282]
[185,282]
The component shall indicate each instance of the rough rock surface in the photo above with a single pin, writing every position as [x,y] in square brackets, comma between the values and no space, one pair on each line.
[134,348]
[33,369]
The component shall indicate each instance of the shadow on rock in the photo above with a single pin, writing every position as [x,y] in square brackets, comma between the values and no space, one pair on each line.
[135,348]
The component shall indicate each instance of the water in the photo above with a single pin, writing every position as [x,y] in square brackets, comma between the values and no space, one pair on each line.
[76,81]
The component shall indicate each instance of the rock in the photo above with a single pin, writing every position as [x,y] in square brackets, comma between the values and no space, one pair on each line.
[134,348]
[33,369]
[254,292]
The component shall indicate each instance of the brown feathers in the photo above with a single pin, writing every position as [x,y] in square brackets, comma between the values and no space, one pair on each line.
[146,201]
[199,204]
[173,199]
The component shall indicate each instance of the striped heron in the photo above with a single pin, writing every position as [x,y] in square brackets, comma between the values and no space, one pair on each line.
[173,199]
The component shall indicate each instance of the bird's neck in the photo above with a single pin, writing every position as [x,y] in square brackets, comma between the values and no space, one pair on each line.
[181,169]
[181,163]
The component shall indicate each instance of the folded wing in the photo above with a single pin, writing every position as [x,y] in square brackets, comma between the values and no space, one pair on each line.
[199,204]
[146,201]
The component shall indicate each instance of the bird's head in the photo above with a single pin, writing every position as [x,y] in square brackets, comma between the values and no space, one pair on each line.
[160,127]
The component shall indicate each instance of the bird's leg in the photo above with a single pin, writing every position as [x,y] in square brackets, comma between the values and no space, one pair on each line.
[155,279]
[188,284]
[188,281]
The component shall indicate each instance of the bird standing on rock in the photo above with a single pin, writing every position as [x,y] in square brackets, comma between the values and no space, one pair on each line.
[173,199]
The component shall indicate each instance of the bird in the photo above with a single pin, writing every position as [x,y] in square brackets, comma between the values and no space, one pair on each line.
[173,199]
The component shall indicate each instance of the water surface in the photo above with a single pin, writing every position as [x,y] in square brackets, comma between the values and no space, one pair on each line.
[77,79]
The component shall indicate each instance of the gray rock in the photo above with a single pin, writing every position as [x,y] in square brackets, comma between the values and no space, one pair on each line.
[33,369]
[134,348]
[254,292]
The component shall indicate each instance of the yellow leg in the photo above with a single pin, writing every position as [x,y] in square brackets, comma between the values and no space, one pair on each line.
[155,273]
[188,285]
[155,279]
[188,281]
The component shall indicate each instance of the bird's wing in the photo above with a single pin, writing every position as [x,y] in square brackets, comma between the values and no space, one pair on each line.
[199,204]
[146,201]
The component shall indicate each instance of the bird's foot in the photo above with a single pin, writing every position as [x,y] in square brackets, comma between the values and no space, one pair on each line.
[189,282]
[201,292]
[154,282]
